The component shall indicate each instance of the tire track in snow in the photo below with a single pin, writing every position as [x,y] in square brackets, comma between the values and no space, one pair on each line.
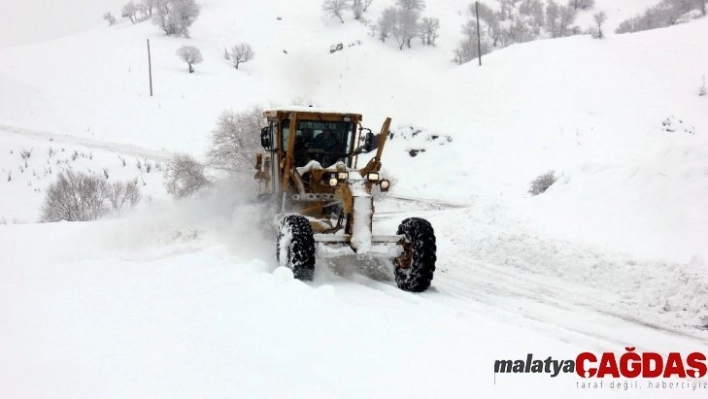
[536,297]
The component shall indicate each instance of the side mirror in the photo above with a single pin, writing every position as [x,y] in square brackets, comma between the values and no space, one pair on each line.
[266,141]
[371,142]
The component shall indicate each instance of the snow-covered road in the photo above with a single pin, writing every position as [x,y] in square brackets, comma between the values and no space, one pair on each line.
[181,304]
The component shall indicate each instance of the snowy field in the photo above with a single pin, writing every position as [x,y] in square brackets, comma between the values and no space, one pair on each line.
[184,299]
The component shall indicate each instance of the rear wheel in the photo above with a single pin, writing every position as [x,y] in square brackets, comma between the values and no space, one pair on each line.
[415,267]
[296,246]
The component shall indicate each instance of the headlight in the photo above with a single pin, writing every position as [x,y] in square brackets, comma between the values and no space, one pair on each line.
[332,181]
[342,175]
[373,176]
[385,184]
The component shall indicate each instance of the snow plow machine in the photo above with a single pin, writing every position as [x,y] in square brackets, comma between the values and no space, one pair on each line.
[324,202]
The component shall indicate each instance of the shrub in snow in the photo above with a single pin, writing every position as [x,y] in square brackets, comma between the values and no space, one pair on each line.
[666,13]
[175,17]
[191,55]
[77,196]
[335,8]
[235,140]
[184,176]
[119,194]
[241,53]
[542,182]
[110,18]
[509,25]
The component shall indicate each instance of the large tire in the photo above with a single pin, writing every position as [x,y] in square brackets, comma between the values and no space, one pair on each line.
[415,267]
[296,246]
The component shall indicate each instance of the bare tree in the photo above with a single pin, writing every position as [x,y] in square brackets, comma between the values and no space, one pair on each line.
[567,17]
[175,17]
[407,22]
[357,9]
[146,7]
[505,9]
[76,196]
[535,9]
[518,32]
[429,30]
[162,16]
[241,53]
[335,8]
[552,13]
[411,5]
[110,18]
[468,49]
[119,194]
[191,55]
[492,19]
[185,176]
[581,4]
[406,26]
[386,23]
[235,140]
[130,11]
[600,18]
[559,19]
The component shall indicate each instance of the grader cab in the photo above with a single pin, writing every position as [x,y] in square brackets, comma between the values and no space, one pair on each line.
[324,199]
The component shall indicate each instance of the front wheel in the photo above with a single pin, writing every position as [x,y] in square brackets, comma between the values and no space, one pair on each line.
[414,268]
[295,247]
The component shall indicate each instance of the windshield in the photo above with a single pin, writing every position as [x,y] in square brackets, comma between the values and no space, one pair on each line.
[324,142]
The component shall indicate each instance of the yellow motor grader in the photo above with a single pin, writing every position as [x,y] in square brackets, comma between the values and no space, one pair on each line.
[324,200]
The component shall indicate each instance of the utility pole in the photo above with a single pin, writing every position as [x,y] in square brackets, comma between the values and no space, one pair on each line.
[479,38]
[149,66]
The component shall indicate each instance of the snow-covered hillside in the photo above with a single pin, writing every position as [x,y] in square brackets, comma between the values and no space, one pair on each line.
[183,298]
